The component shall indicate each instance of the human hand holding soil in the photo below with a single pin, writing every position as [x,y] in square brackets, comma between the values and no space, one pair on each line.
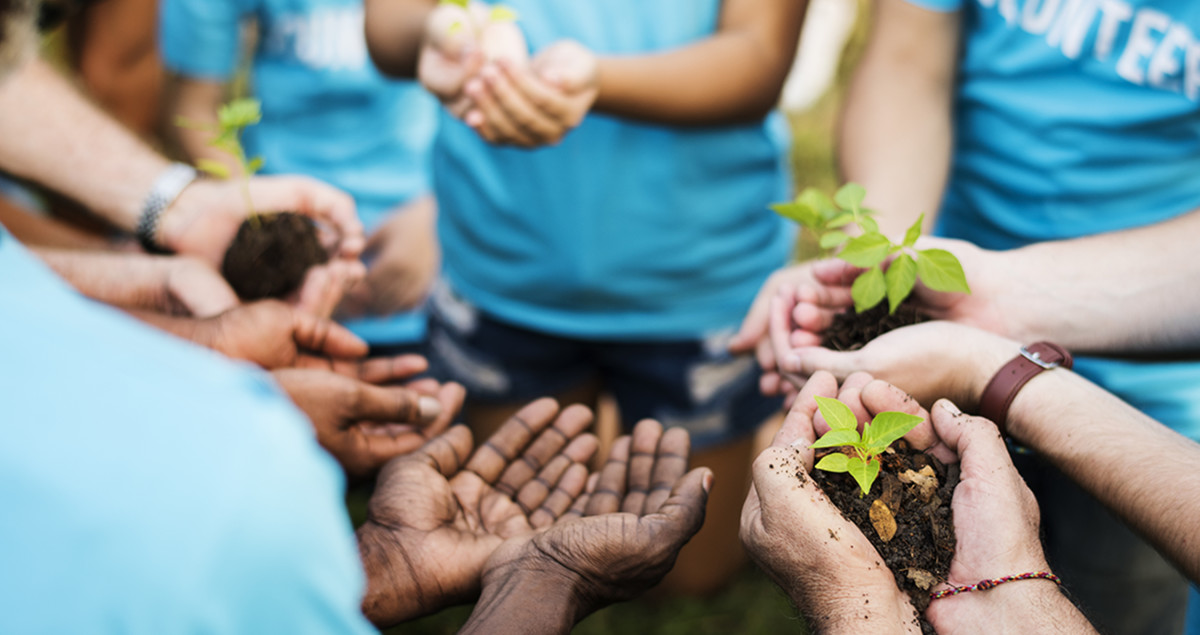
[439,513]
[274,335]
[364,425]
[791,529]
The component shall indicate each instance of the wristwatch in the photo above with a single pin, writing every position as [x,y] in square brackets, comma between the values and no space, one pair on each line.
[165,190]
[1008,381]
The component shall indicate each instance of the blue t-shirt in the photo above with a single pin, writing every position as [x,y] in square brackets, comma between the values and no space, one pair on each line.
[624,230]
[327,112]
[1075,118]
[149,486]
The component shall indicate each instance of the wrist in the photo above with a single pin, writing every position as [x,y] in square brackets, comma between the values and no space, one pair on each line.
[1017,606]
[392,594]
[178,218]
[883,610]
[527,596]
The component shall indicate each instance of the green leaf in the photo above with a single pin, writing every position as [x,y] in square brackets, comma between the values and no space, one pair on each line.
[819,201]
[867,250]
[239,113]
[868,290]
[184,122]
[833,239]
[868,224]
[914,232]
[462,3]
[901,276]
[799,212]
[863,471]
[835,438]
[254,165]
[886,428]
[834,462]
[839,220]
[215,168]
[503,13]
[455,27]
[850,196]
[867,212]
[837,414]
[941,271]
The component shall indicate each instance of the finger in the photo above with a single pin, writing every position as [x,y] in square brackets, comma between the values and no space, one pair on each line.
[207,293]
[683,511]
[448,451]
[519,108]
[670,464]
[609,490]
[643,449]
[313,199]
[534,492]
[393,404]
[580,505]
[839,363]
[850,394]
[545,98]
[324,337]
[881,396]
[976,441]
[495,455]
[834,297]
[569,424]
[565,493]
[381,370]
[798,424]
[835,272]
[754,325]
[379,448]
[812,319]
[499,126]
[781,327]
[769,384]
[801,338]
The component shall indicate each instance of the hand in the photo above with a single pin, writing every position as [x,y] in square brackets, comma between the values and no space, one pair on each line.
[193,288]
[536,105]
[326,285]
[621,538]
[437,516]
[273,335]
[364,425]
[791,529]
[205,217]
[405,258]
[450,53]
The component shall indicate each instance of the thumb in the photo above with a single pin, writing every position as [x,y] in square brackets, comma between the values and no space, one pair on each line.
[841,364]
[324,337]
[684,508]
[393,404]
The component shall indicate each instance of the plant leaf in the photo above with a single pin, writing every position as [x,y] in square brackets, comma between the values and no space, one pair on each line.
[254,165]
[867,250]
[839,220]
[837,414]
[914,232]
[215,168]
[799,212]
[833,239]
[863,471]
[868,224]
[502,13]
[835,438]
[239,113]
[868,289]
[462,3]
[885,428]
[941,271]
[833,462]
[900,278]
[819,201]
[850,196]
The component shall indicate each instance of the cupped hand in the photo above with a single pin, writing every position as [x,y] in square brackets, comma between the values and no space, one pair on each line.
[755,331]
[450,54]
[192,287]
[404,261]
[274,335]
[439,513]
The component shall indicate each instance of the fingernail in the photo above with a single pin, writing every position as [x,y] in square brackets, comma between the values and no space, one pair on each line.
[707,482]
[949,406]
[429,407]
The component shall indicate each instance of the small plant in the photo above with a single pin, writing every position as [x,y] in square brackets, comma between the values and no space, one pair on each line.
[232,118]
[876,436]
[937,269]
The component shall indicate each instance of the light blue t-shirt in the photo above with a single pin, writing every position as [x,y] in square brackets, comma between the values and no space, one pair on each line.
[1077,117]
[149,486]
[624,230]
[327,112]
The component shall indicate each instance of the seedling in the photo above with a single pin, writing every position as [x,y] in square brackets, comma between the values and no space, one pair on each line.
[232,118]
[937,269]
[497,13]
[876,436]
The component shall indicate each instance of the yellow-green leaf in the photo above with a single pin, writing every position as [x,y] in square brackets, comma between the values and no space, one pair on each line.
[885,428]
[864,472]
[503,13]
[867,250]
[835,438]
[868,224]
[850,196]
[839,220]
[901,276]
[254,165]
[799,212]
[819,201]
[868,289]
[215,168]
[837,414]
[941,271]
[914,232]
[462,3]
[834,462]
[833,239]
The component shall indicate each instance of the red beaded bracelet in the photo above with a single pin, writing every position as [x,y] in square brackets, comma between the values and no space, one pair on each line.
[984,585]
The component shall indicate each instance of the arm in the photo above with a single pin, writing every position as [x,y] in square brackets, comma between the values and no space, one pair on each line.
[33,229]
[895,133]
[395,31]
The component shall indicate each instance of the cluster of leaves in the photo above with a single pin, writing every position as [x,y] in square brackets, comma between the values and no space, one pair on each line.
[498,13]
[232,118]
[828,218]
[863,465]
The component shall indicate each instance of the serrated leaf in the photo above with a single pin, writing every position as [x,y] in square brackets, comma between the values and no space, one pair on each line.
[868,224]
[901,276]
[254,165]
[798,212]
[819,201]
[833,462]
[867,250]
[914,232]
[835,438]
[503,13]
[941,271]
[215,168]
[864,472]
[885,428]
[839,220]
[833,239]
[868,289]
[850,196]
[837,414]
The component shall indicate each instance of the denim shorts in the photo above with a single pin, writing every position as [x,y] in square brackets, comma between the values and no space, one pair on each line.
[694,384]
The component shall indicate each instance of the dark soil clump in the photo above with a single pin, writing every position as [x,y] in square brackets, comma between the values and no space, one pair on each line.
[915,488]
[271,254]
[852,330]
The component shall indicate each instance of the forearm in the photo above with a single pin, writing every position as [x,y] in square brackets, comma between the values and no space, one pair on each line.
[32,229]
[734,76]
[527,603]
[182,327]
[52,135]
[126,280]
[394,31]
[895,133]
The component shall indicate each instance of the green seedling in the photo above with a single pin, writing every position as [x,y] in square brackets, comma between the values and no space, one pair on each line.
[863,463]
[828,218]
[497,13]
[232,118]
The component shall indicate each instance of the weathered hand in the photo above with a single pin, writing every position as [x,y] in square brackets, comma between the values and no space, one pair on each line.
[274,335]
[404,259]
[437,515]
[364,425]
[791,529]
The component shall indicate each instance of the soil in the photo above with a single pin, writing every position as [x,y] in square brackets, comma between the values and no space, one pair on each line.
[852,330]
[271,254]
[913,491]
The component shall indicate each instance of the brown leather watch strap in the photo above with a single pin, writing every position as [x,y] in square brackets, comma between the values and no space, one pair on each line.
[1007,382]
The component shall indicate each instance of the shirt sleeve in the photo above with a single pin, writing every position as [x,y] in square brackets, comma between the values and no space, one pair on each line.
[941,6]
[201,38]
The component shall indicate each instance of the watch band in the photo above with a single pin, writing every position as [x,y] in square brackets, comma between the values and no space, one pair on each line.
[1004,386]
[165,190]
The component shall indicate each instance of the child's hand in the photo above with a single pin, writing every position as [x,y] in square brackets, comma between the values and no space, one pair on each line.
[535,105]
[450,55]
